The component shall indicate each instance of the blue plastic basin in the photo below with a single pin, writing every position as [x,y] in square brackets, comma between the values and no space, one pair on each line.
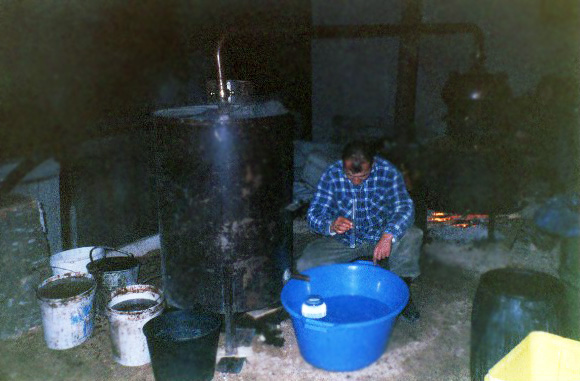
[363,302]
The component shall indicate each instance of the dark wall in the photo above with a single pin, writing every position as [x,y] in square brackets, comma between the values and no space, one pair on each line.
[527,39]
[69,66]
[79,78]
[112,191]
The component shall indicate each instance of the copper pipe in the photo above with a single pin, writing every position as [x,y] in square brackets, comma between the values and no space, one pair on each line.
[220,75]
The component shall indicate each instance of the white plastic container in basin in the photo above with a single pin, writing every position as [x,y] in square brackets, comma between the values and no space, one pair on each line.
[74,260]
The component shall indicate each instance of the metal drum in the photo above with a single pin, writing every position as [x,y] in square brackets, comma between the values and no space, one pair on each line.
[224,178]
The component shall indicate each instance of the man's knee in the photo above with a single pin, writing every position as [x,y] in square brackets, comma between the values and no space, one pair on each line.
[405,257]
[412,240]
[413,237]
[328,250]
[313,258]
[414,233]
[314,253]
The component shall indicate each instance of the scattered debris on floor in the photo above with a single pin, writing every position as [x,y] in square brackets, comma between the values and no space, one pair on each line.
[434,348]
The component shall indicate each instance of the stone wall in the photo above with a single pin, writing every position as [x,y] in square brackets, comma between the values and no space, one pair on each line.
[24,262]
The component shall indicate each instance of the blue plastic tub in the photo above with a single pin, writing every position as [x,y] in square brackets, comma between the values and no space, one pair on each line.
[362,301]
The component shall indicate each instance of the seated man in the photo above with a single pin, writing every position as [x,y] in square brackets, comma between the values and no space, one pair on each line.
[363,209]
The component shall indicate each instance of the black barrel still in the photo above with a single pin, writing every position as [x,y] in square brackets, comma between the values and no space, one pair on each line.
[224,179]
[508,305]
[474,168]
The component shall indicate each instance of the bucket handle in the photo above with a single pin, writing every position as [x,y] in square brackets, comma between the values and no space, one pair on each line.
[108,248]
[147,280]
[41,268]
[62,268]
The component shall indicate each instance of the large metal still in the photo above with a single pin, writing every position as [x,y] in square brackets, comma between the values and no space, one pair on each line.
[474,167]
[224,178]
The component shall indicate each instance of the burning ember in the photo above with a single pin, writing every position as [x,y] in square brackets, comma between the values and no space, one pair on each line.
[456,220]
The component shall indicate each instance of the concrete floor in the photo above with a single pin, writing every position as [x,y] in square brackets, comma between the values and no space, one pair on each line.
[434,348]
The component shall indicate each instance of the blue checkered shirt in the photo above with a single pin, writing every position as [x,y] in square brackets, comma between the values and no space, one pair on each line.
[381,203]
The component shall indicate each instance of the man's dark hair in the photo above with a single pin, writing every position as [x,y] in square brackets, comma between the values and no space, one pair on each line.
[359,152]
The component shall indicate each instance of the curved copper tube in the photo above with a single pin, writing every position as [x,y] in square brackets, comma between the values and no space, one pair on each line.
[220,75]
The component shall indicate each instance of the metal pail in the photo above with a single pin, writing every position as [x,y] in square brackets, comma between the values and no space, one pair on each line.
[111,273]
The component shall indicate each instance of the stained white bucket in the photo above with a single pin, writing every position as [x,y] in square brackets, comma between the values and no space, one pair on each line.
[74,260]
[128,310]
[66,303]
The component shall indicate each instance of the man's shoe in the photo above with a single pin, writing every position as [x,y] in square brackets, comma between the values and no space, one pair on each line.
[411,313]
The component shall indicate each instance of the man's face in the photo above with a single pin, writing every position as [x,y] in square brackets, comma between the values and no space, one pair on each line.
[357,171]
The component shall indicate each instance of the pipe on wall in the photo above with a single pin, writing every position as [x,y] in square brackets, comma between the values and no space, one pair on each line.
[389,30]
[409,31]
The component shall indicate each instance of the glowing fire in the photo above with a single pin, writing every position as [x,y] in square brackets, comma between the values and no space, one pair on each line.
[456,220]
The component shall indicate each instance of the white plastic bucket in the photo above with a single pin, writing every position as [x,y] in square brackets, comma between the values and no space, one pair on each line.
[74,260]
[128,310]
[66,303]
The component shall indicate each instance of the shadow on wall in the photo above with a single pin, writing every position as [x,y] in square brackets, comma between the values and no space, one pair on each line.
[349,128]
[70,66]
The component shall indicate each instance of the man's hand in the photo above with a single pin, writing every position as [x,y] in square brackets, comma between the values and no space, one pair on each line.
[383,248]
[341,225]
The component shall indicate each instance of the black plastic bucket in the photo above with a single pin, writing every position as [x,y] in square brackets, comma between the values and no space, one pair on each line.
[509,304]
[183,345]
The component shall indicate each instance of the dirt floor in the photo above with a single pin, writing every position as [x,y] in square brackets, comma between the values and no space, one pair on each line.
[434,348]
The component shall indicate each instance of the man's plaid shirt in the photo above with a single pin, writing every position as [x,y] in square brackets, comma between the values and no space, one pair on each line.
[382,203]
